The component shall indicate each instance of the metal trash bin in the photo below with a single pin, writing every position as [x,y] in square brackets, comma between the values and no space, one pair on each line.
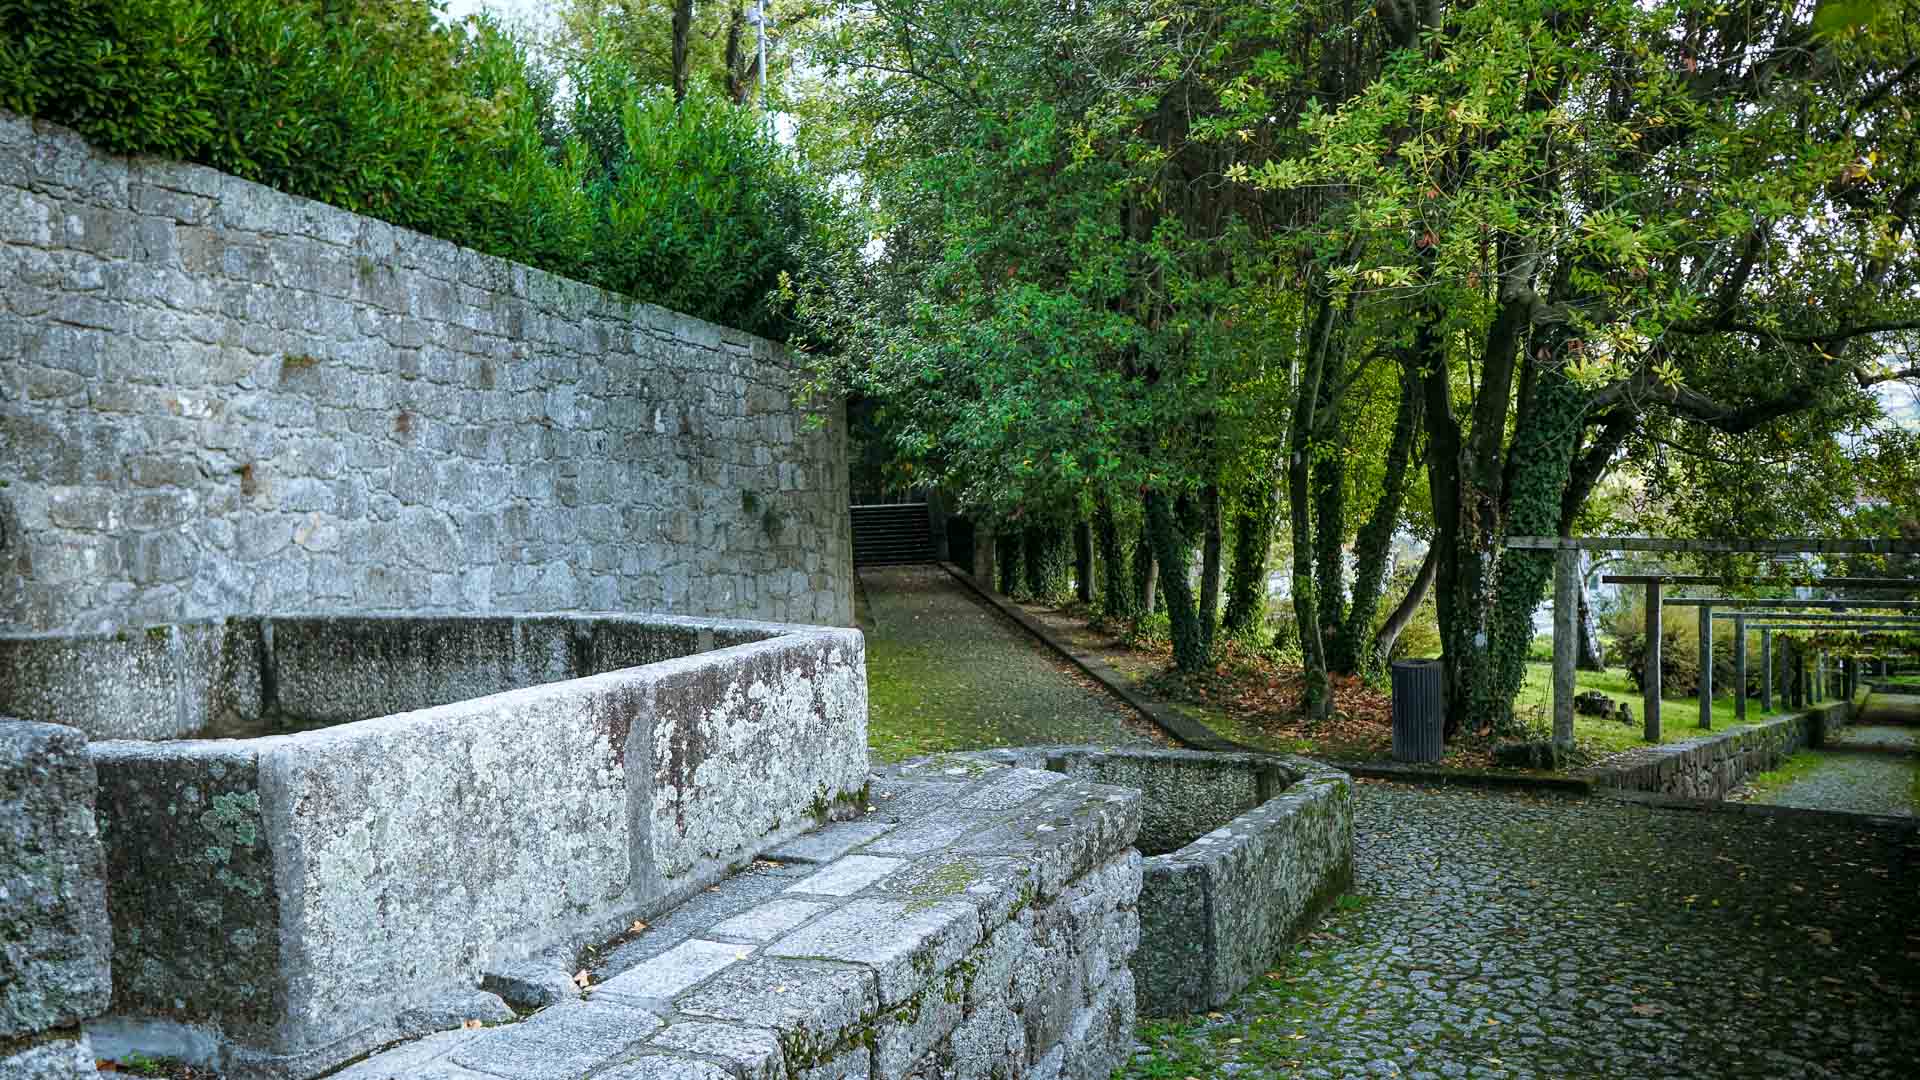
[1419,711]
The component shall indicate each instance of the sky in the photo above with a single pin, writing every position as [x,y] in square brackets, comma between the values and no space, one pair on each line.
[513,9]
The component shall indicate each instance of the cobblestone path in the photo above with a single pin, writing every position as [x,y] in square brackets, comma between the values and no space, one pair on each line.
[944,672]
[1868,767]
[1494,935]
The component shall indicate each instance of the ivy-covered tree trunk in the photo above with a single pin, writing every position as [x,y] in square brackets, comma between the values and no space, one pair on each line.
[1146,573]
[1082,562]
[1007,548]
[1116,577]
[1317,692]
[1174,554]
[1551,411]
[1045,562]
[1352,652]
[1209,566]
[1329,523]
[1253,518]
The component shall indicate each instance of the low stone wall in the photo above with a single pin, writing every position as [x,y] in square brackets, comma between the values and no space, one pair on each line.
[54,937]
[279,901]
[976,922]
[258,675]
[1713,765]
[1246,849]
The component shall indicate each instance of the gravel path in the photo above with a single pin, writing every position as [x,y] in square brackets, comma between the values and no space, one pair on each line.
[944,672]
[1866,768]
[1493,935]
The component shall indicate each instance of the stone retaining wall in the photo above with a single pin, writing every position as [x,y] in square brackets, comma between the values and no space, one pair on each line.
[217,398]
[976,922]
[1245,850]
[54,936]
[1713,765]
[280,902]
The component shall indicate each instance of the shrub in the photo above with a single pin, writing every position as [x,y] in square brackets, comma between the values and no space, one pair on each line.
[376,107]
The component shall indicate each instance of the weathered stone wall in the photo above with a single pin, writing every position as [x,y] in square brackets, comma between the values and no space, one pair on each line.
[280,902]
[1711,766]
[54,936]
[974,924]
[1250,849]
[217,399]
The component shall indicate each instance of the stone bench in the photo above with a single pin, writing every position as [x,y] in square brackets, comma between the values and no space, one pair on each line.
[977,921]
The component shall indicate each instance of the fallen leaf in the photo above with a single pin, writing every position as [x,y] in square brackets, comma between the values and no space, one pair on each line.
[637,926]
[581,978]
[469,1025]
[1646,1009]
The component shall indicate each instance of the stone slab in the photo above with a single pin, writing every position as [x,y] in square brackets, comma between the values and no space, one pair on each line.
[846,876]
[903,942]
[675,970]
[559,1044]
[752,1053]
[55,938]
[768,921]
[824,845]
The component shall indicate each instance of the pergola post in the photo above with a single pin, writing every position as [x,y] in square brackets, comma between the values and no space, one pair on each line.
[1740,668]
[1766,671]
[1706,668]
[1651,680]
[1566,581]
[1819,678]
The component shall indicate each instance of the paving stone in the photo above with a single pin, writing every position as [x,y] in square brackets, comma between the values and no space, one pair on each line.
[675,970]
[752,1052]
[903,942]
[664,1067]
[815,1002]
[769,920]
[846,876]
[421,1058]
[994,885]
[453,1011]
[706,907]
[1005,789]
[533,984]
[933,832]
[559,1044]
[829,842]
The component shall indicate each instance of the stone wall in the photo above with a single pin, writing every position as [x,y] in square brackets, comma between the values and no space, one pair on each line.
[1711,766]
[1245,851]
[54,936]
[217,399]
[279,903]
[975,923]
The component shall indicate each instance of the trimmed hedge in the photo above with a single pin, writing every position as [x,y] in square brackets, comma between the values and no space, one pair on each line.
[452,130]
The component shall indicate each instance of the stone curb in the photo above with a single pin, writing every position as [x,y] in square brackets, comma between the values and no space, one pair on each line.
[1852,818]
[1190,732]
[1480,778]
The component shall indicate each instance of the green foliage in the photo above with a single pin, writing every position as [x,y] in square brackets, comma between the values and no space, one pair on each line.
[453,130]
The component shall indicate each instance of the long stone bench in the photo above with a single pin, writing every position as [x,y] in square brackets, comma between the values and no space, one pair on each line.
[976,921]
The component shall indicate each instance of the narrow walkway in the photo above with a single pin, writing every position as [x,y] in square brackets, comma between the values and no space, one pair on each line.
[1867,768]
[946,673]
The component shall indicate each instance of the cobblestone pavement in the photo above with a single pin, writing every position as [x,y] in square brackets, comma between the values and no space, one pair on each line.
[1867,768]
[1493,935]
[946,673]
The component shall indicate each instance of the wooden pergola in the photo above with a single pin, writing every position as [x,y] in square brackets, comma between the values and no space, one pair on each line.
[1566,584]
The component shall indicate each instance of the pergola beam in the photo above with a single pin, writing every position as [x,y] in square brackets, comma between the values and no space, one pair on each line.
[1827,604]
[1883,584]
[1794,546]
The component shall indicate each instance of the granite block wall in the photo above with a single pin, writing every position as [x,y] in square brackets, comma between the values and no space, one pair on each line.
[216,398]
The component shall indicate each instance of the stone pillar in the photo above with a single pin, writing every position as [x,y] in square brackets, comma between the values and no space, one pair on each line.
[1566,641]
[1740,668]
[1766,671]
[56,944]
[1652,679]
[1706,668]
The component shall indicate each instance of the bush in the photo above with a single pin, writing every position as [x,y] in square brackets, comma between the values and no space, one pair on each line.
[1679,651]
[376,107]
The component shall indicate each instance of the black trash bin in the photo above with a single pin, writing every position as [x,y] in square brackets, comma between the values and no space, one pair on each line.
[1419,711]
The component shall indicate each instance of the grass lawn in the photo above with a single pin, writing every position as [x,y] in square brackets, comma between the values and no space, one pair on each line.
[1679,717]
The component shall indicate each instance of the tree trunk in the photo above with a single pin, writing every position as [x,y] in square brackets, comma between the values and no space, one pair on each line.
[1210,566]
[1174,555]
[1008,547]
[1409,605]
[1082,562]
[1252,537]
[1116,578]
[682,26]
[1352,651]
[1589,655]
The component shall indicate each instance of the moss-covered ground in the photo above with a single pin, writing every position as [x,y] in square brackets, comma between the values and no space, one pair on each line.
[1507,936]
[944,672]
